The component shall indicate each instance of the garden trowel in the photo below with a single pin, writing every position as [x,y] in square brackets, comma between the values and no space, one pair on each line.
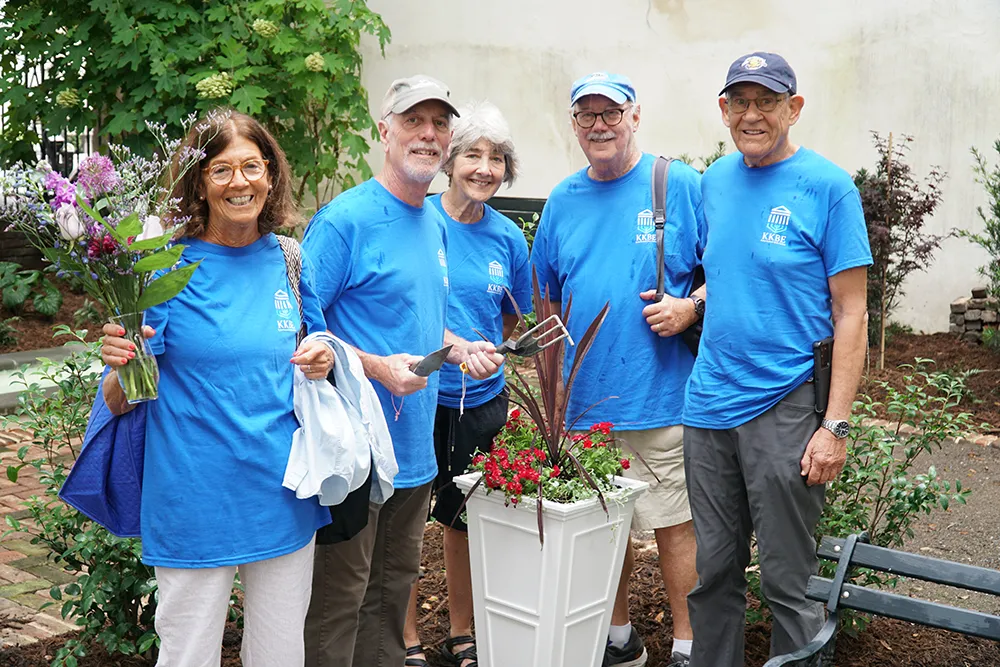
[432,362]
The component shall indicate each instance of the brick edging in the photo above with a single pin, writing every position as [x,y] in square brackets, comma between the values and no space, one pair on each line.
[970,438]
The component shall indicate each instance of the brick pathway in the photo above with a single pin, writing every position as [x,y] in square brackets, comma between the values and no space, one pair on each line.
[26,573]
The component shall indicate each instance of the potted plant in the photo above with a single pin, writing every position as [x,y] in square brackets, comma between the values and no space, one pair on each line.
[548,518]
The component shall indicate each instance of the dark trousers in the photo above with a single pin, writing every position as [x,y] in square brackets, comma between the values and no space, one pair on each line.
[361,587]
[742,480]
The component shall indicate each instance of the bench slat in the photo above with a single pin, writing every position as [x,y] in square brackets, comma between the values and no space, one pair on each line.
[916,566]
[908,609]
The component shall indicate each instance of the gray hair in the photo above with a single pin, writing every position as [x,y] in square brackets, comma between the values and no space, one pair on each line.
[483,120]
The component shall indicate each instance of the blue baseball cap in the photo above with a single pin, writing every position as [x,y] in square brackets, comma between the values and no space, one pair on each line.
[615,87]
[768,69]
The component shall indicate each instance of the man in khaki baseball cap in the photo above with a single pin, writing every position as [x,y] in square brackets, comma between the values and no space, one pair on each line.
[381,274]
[404,94]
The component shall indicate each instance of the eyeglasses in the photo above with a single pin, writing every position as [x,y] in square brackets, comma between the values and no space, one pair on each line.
[222,173]
[764,104]
[611,117]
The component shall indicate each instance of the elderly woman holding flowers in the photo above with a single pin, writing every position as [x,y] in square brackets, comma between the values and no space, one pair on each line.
[489,259]
[219,435]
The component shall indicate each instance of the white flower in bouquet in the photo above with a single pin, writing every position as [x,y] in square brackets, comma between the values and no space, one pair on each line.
[69,223]
[152,227]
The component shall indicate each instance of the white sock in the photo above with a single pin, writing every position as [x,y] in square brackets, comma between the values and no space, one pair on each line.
[618,634]
[683,646]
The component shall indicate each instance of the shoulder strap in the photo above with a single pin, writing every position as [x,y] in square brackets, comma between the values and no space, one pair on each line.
[661,174]
[293,266]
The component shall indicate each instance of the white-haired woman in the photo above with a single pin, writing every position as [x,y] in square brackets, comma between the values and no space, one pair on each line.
[486,253]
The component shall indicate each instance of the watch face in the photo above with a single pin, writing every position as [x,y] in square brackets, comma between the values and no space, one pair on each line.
[841,429]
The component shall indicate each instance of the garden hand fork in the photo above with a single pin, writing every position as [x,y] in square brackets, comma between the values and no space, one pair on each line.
[531,342]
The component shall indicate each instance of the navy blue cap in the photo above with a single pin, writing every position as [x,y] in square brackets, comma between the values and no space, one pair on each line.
[615,87]
[768,69]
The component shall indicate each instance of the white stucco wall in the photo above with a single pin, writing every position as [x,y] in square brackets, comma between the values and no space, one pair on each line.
[929,68]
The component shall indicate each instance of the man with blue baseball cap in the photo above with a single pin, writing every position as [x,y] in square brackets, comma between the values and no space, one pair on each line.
[595,242]
[786,267]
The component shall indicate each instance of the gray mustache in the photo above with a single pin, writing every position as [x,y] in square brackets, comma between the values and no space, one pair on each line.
[600,136]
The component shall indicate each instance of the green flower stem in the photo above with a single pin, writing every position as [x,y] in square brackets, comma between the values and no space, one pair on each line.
[141,375]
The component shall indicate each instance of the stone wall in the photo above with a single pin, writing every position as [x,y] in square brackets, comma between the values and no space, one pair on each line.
[970,315]
[14,247]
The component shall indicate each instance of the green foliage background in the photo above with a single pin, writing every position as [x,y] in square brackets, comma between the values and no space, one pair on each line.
[294,65]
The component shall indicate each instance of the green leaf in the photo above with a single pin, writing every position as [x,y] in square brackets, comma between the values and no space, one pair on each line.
[249,99]
[130,226]
[12,472]
[48,302]
[151,244]
[161,260]
[56,593]
[15,295]
[166,287]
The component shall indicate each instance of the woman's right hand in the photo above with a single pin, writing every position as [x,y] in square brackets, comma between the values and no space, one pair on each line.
[116,350]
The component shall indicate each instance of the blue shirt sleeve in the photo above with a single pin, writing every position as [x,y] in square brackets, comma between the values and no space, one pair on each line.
[312,311]
[521,281]
[543,263]
[156,317]
[845,243]
[329,276]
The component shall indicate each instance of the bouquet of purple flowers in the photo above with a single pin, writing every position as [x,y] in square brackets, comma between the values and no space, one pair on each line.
[112,227]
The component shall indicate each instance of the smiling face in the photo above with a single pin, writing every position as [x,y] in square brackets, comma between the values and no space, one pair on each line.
[416,141]
[761,136]
[240,201]
[478,172]
[609,148]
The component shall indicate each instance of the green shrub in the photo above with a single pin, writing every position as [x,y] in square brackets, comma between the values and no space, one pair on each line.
[991,339]
[882,490]
[989,240]
[18,285]
[113,598]
[88,313]
[8,334]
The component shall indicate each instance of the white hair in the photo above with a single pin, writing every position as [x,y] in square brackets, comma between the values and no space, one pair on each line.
[483,120]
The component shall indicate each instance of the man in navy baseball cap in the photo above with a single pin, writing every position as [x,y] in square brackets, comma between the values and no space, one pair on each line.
[768,69]
[760,444]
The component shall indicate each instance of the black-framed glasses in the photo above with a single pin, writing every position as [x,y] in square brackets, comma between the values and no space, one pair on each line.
[222,173]
[763,104]
[611,117]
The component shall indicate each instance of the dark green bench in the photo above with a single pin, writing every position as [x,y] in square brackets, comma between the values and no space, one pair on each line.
[838,594]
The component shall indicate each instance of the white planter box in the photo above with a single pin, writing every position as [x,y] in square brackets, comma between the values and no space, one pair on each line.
[545,606]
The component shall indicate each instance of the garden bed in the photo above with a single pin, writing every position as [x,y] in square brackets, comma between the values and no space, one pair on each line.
[886,643]
[34,331]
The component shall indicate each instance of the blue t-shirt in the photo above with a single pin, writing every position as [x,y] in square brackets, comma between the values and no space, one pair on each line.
[483,258]
[596,241]
[382,278]
[218,437]
[776,235]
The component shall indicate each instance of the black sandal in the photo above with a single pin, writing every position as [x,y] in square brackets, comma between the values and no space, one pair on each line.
[415,662]
[448,651]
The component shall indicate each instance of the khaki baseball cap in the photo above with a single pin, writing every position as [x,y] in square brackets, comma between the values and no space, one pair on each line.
[406,93]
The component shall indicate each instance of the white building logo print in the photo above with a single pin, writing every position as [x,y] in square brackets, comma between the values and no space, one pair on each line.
[444,264]
[283,308]
[777,226]
[496,278]
[645,227]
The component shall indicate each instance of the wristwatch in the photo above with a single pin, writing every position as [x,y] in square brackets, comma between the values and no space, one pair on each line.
[840,428]
[699,306]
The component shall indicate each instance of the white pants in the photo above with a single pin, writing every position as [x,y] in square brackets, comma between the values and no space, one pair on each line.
[192,607]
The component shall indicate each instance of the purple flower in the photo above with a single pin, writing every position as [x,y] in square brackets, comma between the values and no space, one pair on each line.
[64,191]
[97,175]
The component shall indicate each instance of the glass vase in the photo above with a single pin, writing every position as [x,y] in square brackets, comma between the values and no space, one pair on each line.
[140,377]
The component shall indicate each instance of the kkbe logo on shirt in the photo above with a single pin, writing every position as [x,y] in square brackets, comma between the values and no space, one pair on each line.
[283,308]
[496,278]
[645,226]
[777,225]
[444,263]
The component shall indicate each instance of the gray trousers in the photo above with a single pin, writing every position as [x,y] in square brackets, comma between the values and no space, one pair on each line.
[747,479]
[361,587]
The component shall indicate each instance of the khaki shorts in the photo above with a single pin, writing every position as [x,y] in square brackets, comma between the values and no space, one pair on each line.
[665,504]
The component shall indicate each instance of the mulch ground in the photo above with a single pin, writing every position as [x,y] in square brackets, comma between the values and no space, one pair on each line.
[886,643]
[34,331]
[951,355]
